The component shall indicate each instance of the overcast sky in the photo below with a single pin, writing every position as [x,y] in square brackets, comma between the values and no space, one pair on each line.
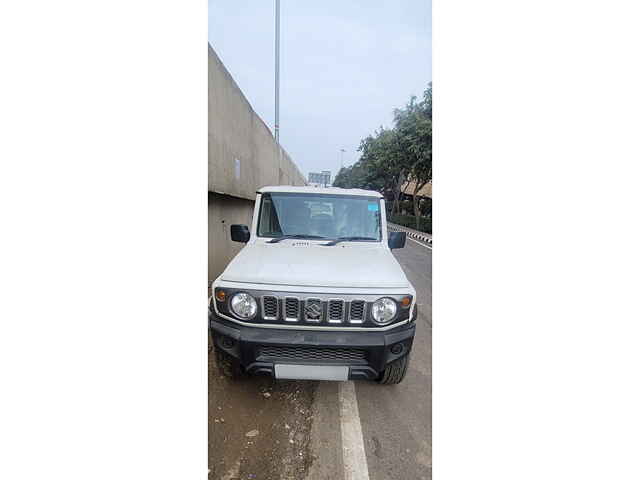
[344,66]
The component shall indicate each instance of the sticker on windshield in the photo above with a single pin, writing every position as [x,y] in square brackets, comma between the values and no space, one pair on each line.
[373,207]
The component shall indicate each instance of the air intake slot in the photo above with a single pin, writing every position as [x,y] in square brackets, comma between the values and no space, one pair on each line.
[312,353]
[335,311]
[269,308]
[356,311]
[292,309]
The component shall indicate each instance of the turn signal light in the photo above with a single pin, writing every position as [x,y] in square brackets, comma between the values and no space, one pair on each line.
[221,295]
[405,302]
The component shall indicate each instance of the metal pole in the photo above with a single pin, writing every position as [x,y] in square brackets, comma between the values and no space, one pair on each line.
[277,124]
[342,150]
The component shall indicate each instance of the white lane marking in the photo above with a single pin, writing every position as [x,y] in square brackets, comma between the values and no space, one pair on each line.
[354,457]
[420,243]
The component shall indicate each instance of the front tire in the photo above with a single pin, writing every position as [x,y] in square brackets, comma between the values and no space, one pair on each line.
[395,372]
[227,365]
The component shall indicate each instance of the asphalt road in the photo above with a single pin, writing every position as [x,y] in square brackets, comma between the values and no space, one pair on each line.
[396,420]
[267,430]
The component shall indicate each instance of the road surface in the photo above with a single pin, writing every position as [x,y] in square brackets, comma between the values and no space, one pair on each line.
[266,430]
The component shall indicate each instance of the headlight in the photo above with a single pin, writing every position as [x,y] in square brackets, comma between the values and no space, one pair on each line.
[383,310]
[244,305]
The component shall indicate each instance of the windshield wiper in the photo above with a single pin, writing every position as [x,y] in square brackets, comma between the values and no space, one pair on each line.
[297,235]
[347,239]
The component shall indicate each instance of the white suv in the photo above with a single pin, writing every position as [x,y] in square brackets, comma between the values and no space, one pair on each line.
[316,293]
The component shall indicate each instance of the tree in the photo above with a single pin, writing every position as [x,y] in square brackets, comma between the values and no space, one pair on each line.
[413,124]
[349,177]
[390,158]
[384,163]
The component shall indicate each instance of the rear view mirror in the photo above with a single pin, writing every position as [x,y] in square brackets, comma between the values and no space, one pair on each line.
[397,239]
[240,233]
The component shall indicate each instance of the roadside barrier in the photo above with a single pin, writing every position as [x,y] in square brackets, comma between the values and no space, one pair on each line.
[422,236]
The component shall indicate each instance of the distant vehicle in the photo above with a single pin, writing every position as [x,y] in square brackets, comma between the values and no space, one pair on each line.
[316,293]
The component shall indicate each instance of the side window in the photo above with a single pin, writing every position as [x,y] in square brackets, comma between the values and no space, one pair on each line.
[374,226]
[373,220]
[269,224]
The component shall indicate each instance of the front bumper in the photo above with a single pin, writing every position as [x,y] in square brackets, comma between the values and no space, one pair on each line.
[258,350]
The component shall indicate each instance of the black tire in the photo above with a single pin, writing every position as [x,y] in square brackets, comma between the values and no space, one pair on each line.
[394,372]
[227,365]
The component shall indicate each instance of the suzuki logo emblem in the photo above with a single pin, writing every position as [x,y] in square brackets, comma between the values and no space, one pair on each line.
[313,311]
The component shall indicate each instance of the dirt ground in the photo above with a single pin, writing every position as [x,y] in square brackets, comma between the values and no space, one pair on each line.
[258,429]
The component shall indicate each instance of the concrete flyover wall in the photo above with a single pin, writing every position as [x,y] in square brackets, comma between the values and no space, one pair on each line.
[243,156]
[224,211]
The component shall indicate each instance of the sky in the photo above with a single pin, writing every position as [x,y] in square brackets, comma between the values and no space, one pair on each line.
[345,65]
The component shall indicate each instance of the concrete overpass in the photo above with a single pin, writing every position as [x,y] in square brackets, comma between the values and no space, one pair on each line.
[243,156]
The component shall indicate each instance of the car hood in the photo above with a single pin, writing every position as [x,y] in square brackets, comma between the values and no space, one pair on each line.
[316,265]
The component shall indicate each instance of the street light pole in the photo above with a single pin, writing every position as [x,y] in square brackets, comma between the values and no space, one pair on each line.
[277,124]
[342,150]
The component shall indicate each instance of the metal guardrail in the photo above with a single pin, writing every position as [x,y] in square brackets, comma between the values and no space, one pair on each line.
[422,236]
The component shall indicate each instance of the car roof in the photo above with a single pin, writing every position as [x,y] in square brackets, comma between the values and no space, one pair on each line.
[320,190]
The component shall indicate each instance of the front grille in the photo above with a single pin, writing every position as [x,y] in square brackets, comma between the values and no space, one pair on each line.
[311,353]
[336,311]
[270,308]
[292,309]
[356,311]
[311,310]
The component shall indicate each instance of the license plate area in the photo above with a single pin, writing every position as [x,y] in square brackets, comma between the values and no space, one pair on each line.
[312,372]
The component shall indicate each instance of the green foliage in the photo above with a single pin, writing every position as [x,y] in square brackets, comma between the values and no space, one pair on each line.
[355,176]
[410,222]
[406,206]
[390,157]
[425,207]
[413,127]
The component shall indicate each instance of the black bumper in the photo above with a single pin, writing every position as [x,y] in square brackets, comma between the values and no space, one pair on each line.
[259,349]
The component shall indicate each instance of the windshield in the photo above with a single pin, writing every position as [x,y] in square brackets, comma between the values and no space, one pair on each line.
[319,216]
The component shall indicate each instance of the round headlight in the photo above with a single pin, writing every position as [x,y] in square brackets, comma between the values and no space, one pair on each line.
[383,310]
[244,305]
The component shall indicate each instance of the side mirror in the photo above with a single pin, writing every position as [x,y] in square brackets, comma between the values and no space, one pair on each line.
[240,233]
[397,239]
